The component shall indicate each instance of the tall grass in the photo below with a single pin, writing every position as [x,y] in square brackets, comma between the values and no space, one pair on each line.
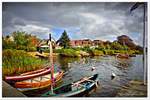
[18,61]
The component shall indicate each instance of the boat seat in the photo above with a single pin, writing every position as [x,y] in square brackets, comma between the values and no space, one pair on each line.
[90,80]
[46,77]
[76,87]
[35,80]
[93,82]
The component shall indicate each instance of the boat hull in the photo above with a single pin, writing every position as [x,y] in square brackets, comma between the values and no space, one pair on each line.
[28,75]
[82,92]
[31,84]
[124,56]
[68,91]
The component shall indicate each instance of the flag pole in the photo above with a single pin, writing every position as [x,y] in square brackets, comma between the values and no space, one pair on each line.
[144,38]
[144,43]
[51,62]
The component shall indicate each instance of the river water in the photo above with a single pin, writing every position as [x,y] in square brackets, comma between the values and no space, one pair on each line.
[125,70]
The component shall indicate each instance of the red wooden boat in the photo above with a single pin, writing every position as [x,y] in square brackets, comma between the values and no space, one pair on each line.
[29,75]
[33,72]
[126,56]
[38,82]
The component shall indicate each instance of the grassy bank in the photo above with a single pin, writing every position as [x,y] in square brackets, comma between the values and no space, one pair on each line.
[70,52]
[81,52]
[18,61]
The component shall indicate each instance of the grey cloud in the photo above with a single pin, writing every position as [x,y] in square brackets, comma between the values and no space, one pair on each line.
[94,20]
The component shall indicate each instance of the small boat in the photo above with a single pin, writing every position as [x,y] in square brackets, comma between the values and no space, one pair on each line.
[28,75]
[33,72]
[126,56]
[78,88]
[38,82]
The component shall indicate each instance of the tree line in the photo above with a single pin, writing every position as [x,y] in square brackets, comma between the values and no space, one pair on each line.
[24,41]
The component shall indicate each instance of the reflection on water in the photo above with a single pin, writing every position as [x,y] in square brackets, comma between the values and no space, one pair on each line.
[64,62]
[125,70]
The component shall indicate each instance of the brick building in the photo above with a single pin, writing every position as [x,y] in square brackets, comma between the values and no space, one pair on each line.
[85,42]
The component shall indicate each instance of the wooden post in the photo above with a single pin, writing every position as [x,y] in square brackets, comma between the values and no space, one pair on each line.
[51,61]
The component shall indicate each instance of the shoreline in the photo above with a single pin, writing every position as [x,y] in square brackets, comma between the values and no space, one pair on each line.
[80,55]
[135,88]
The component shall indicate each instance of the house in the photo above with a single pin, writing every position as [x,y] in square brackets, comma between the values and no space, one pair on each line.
[97,42]
[76,43]
[81,43]
[86,42]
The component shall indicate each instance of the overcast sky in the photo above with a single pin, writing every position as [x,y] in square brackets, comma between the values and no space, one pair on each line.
[103,21]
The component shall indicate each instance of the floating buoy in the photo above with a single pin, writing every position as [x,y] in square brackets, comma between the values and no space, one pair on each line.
[93,68]
[113,75]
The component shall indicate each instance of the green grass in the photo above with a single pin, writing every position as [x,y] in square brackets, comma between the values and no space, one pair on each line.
[18,61]
[95,52]
[70,53]
[76,52]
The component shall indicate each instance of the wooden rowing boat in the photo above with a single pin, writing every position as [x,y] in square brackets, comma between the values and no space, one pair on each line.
[125,56]
[78,88]
[28,75]
[33,72]
[38,82]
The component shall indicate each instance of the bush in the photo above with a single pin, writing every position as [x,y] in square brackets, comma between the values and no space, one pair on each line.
[57,50]
[86,49]
[109,52]
[8,44]
[31,49]
[21,47]
[99,48]
[138,52]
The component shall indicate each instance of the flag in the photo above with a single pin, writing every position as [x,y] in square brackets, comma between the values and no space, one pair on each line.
[136,5]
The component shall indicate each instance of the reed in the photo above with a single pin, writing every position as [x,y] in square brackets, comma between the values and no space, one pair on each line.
[17,61]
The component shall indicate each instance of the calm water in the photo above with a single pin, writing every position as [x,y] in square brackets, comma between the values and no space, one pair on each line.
[125,70]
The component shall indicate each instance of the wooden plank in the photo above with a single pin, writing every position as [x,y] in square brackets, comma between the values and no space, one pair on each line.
[9,91]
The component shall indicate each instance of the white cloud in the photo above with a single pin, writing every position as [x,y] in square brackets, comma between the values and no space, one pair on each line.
[33,29]
[42,32]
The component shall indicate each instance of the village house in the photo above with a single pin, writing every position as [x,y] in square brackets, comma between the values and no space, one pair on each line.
[97,42]
[86,42]
[80,43]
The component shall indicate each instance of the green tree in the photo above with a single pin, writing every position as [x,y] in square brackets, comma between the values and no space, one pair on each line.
[117,46]
[64,40]
[20,39]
